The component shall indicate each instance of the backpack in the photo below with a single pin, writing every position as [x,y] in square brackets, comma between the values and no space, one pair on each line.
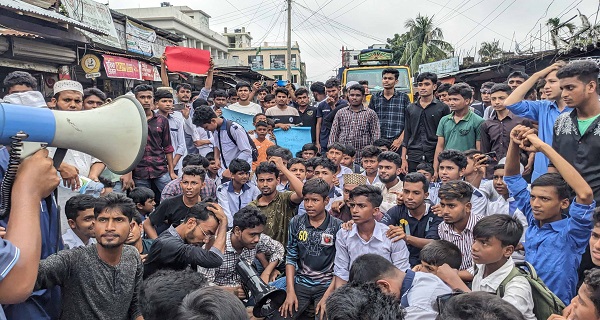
[545,302]
[252,145]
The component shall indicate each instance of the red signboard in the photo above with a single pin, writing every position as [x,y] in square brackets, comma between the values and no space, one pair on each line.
[149,72]
[118,67]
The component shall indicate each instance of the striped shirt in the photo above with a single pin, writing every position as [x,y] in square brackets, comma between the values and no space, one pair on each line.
[390,113]
[356,128]
[463,240]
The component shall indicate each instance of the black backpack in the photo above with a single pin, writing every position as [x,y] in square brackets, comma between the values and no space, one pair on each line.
[252,145]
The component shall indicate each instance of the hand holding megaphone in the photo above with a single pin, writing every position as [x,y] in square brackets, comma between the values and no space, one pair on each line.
[36,176]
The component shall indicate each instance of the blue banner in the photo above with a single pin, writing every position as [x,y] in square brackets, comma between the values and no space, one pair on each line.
[244,119]
[294,138]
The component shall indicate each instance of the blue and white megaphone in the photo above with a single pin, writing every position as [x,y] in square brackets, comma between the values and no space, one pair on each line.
[115,133]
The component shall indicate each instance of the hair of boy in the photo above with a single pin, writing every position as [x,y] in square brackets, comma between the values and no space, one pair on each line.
[239,165]
[357,87]
[393,71]
[220,94]
[271,122]
[203,115]
[487,85]
[337,146]
[462,89]
[194,159]
[372,193]
[357,301]
[370,151]
[415,177]
[585,71]
[210,156]
[142,87]
[332,83]
[470,154]
[137,218]
[78,203]
[194,171]
[294,161]
[282,90]
[243,84]
[310,147]
[106,182]
[200,212]
[256,116]
[592,280]
[231,93]
[518,74]
[596,218]
[277,151]
[185,86]
[390,156]
[426,166]
[371,268]
[312,162]
[326,164]
[350,150]
[503,87]
[456,190]
[262,89]
[454,156]
[199,102]
[427,76]
[161,294]
[382,142]
[443,87]
[20,78]
[553,180]
[300,92]
[439,252]
[261,124]
[316,186]
[195,93]
[318,87]
[540,84]
[94,92]
[140,195]
[114,201]
[269,97]
[503,227]
[162,94]
[249,217]
[267,167]
[208,302]
[479,305]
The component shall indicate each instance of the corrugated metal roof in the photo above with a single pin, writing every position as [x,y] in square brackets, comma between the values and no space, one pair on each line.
[31,10]
[15,33]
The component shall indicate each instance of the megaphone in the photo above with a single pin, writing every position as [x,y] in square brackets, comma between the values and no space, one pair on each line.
[268,299]
[115,133]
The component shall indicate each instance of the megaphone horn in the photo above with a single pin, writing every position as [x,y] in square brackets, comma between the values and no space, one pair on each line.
[115,133]
[268,299]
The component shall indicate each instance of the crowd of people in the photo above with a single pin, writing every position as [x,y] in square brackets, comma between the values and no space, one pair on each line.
[441,208]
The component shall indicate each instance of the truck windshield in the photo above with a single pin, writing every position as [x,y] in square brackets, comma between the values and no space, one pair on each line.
[374,78]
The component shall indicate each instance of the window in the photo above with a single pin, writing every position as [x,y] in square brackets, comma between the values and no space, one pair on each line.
[278,77]
[256,62]
[236,57]
[294,78]
[293,64]
[277,61]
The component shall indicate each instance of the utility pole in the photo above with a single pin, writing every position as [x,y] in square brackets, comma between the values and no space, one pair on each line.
[289,41]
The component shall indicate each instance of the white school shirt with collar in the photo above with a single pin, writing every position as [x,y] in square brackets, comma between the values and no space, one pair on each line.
[232,201]
[422,296]
[71,240]
[389,198]
[251,109]
[177,139]
[375,181]
[343,171]
[517,292]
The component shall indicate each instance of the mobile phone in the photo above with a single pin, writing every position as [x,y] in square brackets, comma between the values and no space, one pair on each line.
[178,106]
[490,156]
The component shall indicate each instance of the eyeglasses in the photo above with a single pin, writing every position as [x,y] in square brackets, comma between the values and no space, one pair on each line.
[208,236]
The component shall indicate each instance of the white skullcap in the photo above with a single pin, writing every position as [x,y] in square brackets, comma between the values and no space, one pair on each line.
[350,84]
[521,168]
[64,85]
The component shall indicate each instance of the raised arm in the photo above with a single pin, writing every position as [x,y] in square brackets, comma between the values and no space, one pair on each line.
[521,91]
[295,184]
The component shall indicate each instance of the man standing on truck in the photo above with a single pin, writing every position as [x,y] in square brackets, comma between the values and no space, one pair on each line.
[389,105]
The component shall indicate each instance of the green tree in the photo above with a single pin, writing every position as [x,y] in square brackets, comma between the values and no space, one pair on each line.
[556,27]
[490,50]
[424,43]
[397,45]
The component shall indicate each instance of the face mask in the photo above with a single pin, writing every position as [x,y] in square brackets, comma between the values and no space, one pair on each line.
[33,99]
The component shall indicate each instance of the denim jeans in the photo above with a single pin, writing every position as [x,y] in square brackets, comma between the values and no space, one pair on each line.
[159,183]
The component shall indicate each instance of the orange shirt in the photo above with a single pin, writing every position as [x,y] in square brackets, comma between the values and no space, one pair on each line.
[262,151]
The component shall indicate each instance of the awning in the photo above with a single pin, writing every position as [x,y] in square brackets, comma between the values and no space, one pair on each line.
[15,33]
[27,9]
[468,71]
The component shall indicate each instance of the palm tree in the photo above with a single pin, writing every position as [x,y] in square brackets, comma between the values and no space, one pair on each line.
[397,45]
[555,27]
[425,43]
[490,50]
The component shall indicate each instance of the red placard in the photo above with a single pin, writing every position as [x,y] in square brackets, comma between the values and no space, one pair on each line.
[118,67]
[187,59]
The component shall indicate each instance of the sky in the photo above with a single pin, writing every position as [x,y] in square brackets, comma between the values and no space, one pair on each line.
[322,27]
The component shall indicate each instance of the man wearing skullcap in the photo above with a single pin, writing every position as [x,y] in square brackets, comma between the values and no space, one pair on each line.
[68,95]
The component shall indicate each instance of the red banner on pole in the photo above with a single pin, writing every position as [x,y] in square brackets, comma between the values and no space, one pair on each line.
[118,67]
[187,59]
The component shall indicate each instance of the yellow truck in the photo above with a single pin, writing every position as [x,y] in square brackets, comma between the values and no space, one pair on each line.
[371,63]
